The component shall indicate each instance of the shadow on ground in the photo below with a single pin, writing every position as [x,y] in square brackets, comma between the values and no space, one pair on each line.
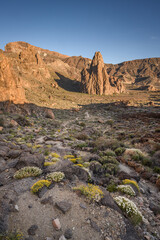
[68,84]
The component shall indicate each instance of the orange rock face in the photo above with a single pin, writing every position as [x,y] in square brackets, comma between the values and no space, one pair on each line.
[96,80]
[10,84]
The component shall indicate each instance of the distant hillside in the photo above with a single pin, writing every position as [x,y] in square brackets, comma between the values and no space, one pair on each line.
[31,74]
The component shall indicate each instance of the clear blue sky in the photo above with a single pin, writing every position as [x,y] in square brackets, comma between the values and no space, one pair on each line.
[120,29]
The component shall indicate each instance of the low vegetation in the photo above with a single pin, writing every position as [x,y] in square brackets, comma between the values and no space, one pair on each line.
[28,172]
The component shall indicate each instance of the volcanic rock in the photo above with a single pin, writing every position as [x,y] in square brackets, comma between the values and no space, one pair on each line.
[96,80]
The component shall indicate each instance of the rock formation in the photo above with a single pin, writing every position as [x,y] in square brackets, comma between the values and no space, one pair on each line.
[10,84]
[31,74]
[96,80]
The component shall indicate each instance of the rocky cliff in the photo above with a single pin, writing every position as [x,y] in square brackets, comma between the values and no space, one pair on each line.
[142,72]
[96,80]
[29,73]
[10,83]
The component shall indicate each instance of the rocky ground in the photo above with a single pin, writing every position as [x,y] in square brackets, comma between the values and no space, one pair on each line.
[109,143]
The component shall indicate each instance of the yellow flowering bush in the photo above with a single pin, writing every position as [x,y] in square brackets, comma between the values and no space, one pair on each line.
[91,191]
[128,181]
[28,172]
[12,236]
[49,163]
[54,155]
[68,156]
[38,185]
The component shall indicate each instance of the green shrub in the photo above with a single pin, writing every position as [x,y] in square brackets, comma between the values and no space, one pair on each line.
[147,162]
[109,152]
[55,176]
[82,145]
[112,187]
[2,122]
[109,159]
[110,168]
[27,172]
[130,209]
[157,170]
[119,151]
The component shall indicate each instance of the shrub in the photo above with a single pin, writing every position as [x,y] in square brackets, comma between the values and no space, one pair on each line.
[16,235]
[28,172]
[119,151]
[49,163]
[79,165]
[127,189]
[112,187]
[130,209]
[109,152]
[147,162]
[46,152]
[86,164]
[111,168]
[134,154]
[157,169]
[82,136]
[128,181]
[68,156]
[38,185]
[82,145]
[2,122]
[109,159]
[73,160]
[92,192]
[54,155]
[55,176]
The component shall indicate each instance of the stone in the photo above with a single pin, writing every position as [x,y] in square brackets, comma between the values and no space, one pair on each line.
[156,159]
[13,154]
[95,226]
[32,230]
[48,200]
[96,168]
[1,128]
[155,207]
[96,80]
[146,175]
[63,206]
[62,238]
[124,175]
[158,183]
[68,233]
[13,123]
[108,201]
[82,206]
[27,159]
[49,114]
[56,223]
[42,191]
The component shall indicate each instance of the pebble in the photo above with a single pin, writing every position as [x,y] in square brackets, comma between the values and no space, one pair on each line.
[62,238]
[68,233]
[56,224]
[63,206]
[32,230]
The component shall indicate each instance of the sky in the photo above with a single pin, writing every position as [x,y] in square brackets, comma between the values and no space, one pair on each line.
[121,30]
